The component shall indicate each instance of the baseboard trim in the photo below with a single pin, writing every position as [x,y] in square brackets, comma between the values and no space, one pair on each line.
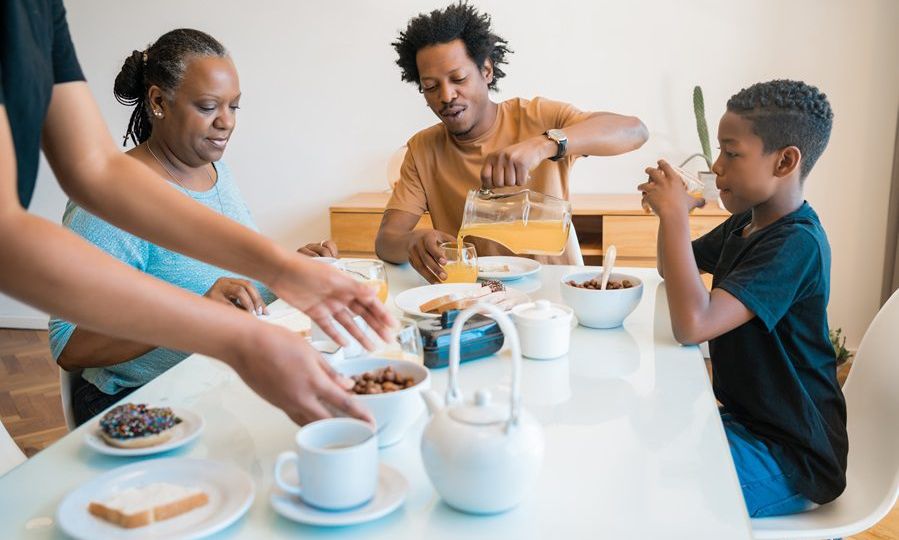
[25,323]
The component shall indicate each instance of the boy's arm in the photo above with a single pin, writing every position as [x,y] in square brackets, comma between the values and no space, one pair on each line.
[696,314]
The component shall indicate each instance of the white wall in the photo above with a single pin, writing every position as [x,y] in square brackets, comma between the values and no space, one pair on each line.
[324,106]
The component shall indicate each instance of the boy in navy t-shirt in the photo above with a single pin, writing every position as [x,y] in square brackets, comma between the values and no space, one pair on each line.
[774,368]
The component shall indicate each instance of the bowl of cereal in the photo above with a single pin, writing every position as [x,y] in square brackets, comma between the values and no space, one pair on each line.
[391,391]
[598,308]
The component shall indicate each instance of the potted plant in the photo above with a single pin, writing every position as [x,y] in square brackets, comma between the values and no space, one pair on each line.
[707,177]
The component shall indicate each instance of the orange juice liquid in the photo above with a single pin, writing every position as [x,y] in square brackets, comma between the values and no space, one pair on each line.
[532,237]
[460,272]
[381,286]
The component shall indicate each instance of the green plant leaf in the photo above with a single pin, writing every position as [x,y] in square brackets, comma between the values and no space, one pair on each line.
[702,127]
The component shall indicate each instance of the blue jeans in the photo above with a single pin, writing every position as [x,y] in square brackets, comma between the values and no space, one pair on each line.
[766,487]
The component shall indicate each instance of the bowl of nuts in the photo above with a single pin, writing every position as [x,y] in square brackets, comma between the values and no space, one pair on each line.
[601,308]
[391,391]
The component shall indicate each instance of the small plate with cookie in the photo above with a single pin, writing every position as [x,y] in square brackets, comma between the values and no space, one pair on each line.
[138,430]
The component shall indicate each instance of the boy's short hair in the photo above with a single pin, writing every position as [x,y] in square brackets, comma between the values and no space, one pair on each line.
[787,113]
[456,21]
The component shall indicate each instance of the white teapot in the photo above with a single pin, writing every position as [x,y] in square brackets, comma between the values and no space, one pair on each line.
[482,457]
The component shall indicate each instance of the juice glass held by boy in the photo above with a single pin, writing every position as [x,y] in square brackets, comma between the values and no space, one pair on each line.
[774,369]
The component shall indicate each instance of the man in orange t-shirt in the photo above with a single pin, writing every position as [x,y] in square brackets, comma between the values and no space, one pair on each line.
[454,58]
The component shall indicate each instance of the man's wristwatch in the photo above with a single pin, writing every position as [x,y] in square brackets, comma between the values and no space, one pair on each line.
[558,136]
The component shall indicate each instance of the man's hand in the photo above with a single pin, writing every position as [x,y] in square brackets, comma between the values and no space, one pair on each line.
[425,254]
[512,165]
[665,191]
[285,370]
[237,292]
[326,248]
[326,294]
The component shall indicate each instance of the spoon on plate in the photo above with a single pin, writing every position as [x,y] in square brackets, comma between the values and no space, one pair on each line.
[608,262]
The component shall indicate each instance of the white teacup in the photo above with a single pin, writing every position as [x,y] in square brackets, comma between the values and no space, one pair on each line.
[337,462]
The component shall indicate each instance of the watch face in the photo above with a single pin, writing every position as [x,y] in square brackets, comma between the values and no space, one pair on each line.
[556,134]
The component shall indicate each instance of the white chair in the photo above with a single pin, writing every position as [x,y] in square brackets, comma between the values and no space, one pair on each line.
[873,465]
[10,453]
[66,381]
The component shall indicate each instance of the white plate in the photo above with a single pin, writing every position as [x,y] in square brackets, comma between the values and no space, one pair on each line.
[230,492]
[389,495]
[189,429]
[519,267]
[410,299]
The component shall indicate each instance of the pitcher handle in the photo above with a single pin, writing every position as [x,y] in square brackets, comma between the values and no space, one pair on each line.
[453,393]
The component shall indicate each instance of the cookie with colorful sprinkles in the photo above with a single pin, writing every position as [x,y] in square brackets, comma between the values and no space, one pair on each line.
[137,426]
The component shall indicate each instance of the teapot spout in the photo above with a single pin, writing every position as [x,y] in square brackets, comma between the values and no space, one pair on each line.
[432,401]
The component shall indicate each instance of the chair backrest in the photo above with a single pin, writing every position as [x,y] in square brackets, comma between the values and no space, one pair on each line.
[66,381]
[573,248]
[10,453]
[872,403]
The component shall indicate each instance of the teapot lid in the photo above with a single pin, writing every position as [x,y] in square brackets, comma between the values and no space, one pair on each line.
[481,412]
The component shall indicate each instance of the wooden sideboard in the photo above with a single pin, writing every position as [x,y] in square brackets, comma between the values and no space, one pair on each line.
[600,220]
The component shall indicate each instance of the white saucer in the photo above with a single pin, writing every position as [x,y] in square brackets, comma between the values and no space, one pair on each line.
[229,488]
[189,429]
[389,495]
[519,267]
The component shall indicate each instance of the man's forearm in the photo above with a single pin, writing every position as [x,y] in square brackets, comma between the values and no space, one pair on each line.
[606,134]
[687,296]
[138,205]
[392,246]
[101,294]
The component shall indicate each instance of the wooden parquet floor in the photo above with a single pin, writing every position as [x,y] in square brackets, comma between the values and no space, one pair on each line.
[31,411]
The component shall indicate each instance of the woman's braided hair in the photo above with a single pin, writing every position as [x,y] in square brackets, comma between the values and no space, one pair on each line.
[162,64]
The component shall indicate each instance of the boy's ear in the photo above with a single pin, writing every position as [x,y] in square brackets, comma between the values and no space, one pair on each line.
[787,161]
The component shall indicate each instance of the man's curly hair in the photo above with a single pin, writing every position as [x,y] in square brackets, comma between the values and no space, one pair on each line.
[457,21]
[787,113]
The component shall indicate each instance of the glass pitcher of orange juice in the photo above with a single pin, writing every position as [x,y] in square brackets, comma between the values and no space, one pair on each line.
[524,221]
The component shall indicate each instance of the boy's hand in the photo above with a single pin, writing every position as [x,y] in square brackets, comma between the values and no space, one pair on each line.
[665,192]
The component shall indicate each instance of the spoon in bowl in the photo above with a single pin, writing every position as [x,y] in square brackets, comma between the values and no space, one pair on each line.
[608,261]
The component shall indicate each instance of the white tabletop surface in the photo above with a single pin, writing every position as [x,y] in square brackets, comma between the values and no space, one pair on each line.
[634,445]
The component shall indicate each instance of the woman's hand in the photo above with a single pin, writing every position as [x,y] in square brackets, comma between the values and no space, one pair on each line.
[325,248]
[237,292]
[665,191]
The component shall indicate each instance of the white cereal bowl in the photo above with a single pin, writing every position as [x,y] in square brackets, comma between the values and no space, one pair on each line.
[601,309]
[394,412]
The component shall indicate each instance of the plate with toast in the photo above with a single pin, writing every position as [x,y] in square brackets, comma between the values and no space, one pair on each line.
[161,498]
[506,268]
[431,301]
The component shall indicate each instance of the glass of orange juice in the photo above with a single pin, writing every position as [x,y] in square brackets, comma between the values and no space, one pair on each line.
[461,263]
[370,271]
[406,345]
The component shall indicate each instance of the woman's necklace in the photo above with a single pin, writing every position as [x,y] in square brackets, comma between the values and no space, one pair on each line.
[215,183]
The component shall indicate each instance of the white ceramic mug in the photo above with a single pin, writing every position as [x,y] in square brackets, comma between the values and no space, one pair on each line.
[337,462]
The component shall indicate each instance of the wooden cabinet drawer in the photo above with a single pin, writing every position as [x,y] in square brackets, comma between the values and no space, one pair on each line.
[635,236]
[355,232]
